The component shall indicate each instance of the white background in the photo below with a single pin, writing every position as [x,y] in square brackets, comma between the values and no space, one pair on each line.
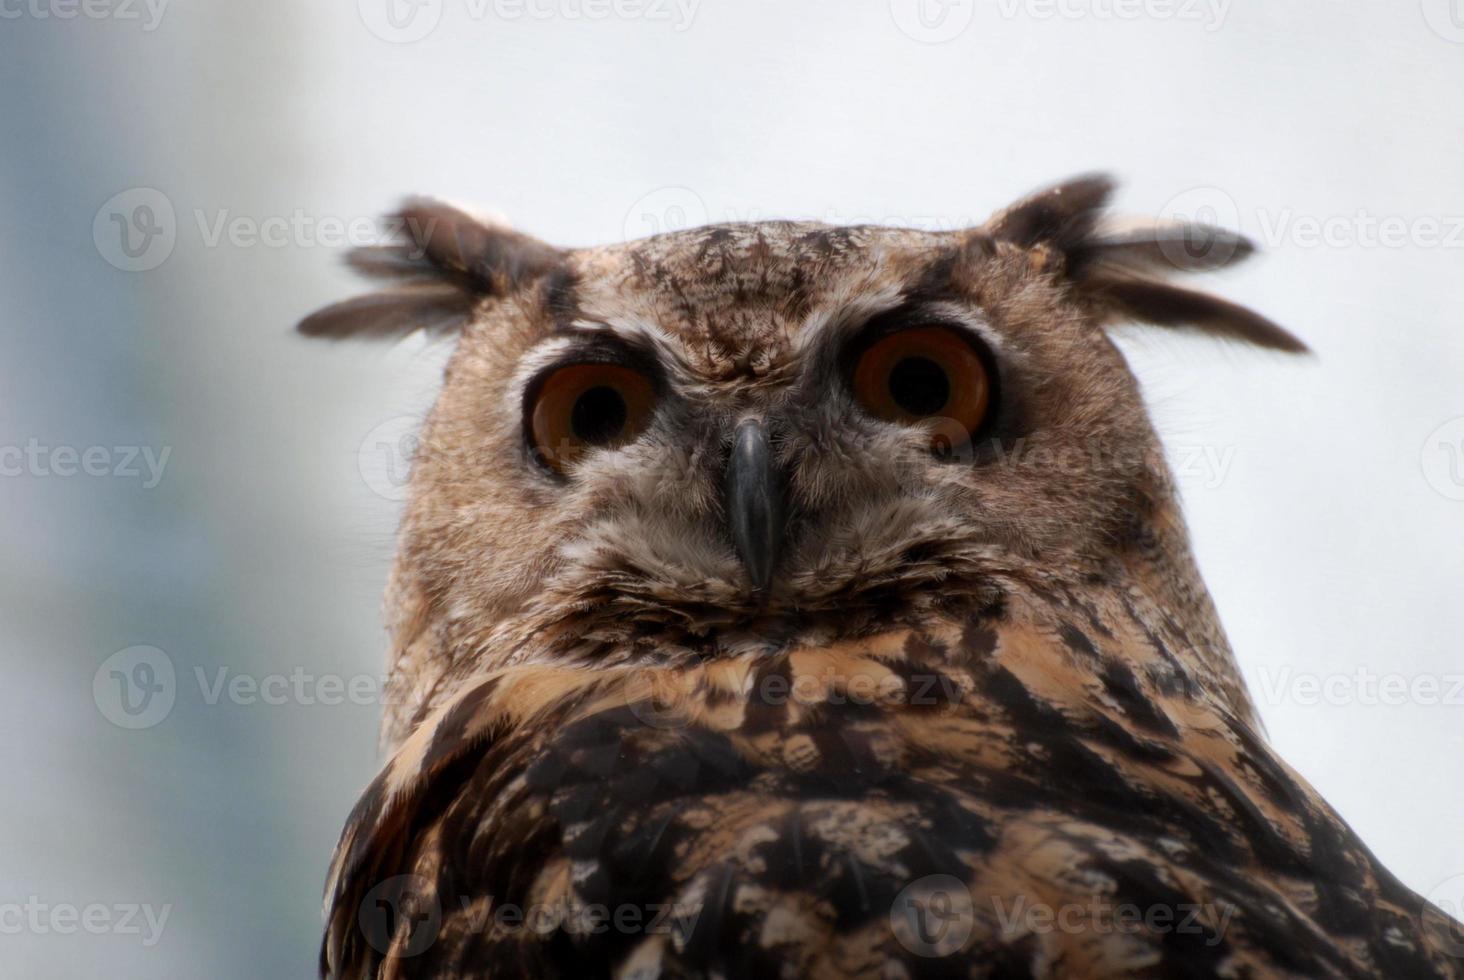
[1324,521]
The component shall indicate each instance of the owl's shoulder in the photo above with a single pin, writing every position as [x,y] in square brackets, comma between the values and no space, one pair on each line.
[1039,789]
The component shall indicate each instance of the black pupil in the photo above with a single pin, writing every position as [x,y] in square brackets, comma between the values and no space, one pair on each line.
[919,386]
[598,415]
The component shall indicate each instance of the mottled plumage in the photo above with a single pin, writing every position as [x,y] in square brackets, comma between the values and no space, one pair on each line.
[982,709]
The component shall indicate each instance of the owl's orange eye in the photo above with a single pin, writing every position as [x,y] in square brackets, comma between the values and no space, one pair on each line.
[924,374]
[587,406]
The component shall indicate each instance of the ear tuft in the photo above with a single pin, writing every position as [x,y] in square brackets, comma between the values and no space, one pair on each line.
[1158,248]
[1062,216]
[1170,306]
[1120,269]
[440,264]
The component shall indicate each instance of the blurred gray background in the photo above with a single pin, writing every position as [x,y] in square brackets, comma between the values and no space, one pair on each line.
[177,179]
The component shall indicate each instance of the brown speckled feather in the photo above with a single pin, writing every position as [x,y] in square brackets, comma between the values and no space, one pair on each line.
[763,816]
[980,721]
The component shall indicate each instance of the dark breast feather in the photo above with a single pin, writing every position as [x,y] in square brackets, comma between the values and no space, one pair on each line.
[999,798]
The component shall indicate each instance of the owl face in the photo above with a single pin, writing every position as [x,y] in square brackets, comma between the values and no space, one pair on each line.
[751,435]
[736,434]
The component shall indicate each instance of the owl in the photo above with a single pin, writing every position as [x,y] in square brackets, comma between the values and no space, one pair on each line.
[786,600]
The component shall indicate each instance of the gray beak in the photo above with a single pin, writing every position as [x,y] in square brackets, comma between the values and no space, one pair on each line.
[754,502]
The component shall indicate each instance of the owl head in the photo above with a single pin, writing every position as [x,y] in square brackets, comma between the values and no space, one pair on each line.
[751,435]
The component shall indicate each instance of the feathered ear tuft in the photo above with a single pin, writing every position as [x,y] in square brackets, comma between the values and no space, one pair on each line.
[1062,217]
[440,263]
[1121,268]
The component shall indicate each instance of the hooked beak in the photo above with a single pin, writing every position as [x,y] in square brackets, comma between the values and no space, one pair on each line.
[754,502]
